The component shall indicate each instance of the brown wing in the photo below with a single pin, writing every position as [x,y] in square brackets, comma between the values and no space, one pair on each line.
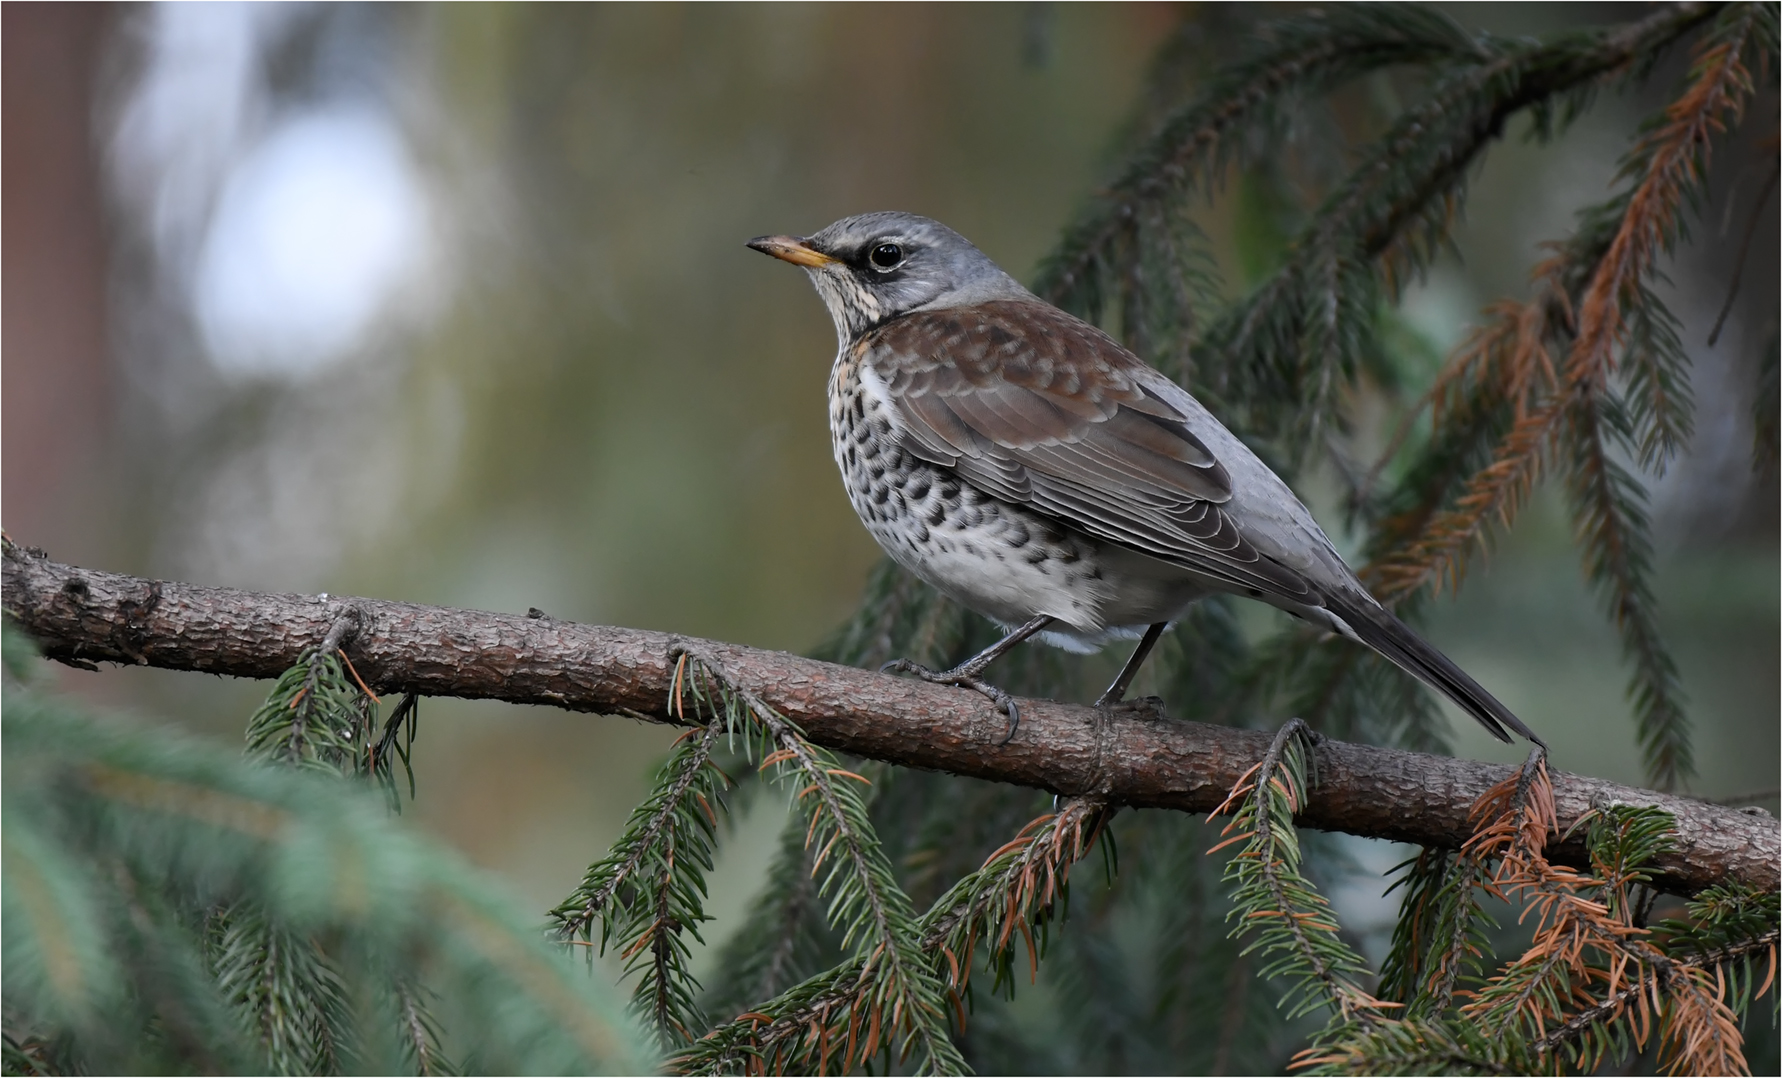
[1040,408]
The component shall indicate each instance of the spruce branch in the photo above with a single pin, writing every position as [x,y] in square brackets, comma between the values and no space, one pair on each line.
[283,985]
[1608,506]
[817,1019]
[1593,1025]
[1129,758]
[1547,363]
[1440,935]
[898,996]
[1303,54]
[418,1030]
[1290,924]
[397,739]
[1667,168]
[285,990]
[1465,925]
[1516,818]
[670,799]
[1418,1046]
[648,890]
[1015,890]
[1580,308]
[782,940]
[1587,937]
[1728,929]
[1660,402]
[1594,982]
[1300,335]
[313,716]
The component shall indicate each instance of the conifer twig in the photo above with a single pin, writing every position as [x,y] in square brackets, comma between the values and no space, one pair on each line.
[1313,51]
[1289,922]
[646,892]
[896,991]
[575,920]
[1015,888]
[1610,1006]
[1580,303]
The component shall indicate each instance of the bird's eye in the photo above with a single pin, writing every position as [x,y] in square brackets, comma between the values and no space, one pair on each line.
[886,256]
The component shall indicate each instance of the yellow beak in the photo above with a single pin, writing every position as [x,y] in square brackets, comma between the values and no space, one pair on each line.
[791,249]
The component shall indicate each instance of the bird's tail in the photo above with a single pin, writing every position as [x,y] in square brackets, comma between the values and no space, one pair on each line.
[1376,627]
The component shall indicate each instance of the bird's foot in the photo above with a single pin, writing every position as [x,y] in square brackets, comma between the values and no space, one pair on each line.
[965,676]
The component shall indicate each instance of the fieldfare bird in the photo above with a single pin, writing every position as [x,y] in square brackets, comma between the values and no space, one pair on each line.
[1025,464]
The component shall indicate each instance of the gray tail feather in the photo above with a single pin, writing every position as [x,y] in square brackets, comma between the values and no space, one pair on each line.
[1375,626]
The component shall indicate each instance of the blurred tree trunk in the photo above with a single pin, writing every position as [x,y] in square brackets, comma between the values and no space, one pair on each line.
[53,257]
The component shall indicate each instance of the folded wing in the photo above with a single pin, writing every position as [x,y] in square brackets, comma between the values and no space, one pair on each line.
[1044,410]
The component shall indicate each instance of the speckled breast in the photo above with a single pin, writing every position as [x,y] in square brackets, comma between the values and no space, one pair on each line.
[1000,560]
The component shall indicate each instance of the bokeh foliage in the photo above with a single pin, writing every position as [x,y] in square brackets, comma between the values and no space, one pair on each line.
[172,907]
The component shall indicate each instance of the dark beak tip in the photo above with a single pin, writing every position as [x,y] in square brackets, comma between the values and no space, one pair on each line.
[768,245]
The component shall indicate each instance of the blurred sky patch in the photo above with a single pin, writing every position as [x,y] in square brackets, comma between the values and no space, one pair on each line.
[292,224]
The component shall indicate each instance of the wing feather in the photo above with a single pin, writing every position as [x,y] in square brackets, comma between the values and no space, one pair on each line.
[1039,408]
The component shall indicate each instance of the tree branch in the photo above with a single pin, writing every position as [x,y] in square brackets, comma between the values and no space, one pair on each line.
[84,616]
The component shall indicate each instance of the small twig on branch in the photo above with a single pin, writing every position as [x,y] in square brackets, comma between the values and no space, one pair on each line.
[1069,749]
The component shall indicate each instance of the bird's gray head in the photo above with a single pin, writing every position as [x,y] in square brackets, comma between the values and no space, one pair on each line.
[871,268]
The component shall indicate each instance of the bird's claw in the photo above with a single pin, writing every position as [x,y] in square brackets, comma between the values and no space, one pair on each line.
[1008,706]
[964,678]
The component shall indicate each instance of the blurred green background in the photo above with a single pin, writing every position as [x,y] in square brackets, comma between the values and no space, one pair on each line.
[450,304]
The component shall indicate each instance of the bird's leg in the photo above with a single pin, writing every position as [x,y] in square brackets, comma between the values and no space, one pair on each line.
[972,667]
[1117,690]
[965,675]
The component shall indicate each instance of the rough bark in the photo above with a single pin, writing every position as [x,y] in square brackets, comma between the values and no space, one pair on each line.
[84,617]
